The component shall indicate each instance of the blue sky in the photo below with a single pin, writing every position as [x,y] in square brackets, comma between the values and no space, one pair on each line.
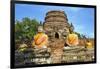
[82,18]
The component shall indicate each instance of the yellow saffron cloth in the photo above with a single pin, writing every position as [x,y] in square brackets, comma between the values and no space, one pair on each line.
[40,40]
[72,39]
[89,45]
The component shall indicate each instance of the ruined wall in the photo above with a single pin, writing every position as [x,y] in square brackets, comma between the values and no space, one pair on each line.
[56,25]
[56,22]
[81,42]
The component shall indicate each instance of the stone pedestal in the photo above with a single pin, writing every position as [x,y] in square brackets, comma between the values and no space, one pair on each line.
[56,46]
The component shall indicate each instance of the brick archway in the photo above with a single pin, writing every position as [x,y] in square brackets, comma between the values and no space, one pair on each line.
[57,35]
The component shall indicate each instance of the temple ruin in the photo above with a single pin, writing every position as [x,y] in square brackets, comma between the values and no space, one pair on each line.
[56,26]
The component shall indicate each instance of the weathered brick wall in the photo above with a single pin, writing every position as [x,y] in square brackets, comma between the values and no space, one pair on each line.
[82,43]
[56,50]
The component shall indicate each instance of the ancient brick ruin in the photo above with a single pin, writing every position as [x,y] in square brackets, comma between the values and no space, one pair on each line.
[56,27]
[56,24]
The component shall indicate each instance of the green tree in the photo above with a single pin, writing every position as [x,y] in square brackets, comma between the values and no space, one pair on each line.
[25,29]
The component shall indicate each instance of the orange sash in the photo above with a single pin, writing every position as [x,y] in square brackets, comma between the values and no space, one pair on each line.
[40,39]
[72,39]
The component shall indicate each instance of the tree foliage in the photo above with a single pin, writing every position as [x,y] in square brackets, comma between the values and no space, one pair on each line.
[25,29]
